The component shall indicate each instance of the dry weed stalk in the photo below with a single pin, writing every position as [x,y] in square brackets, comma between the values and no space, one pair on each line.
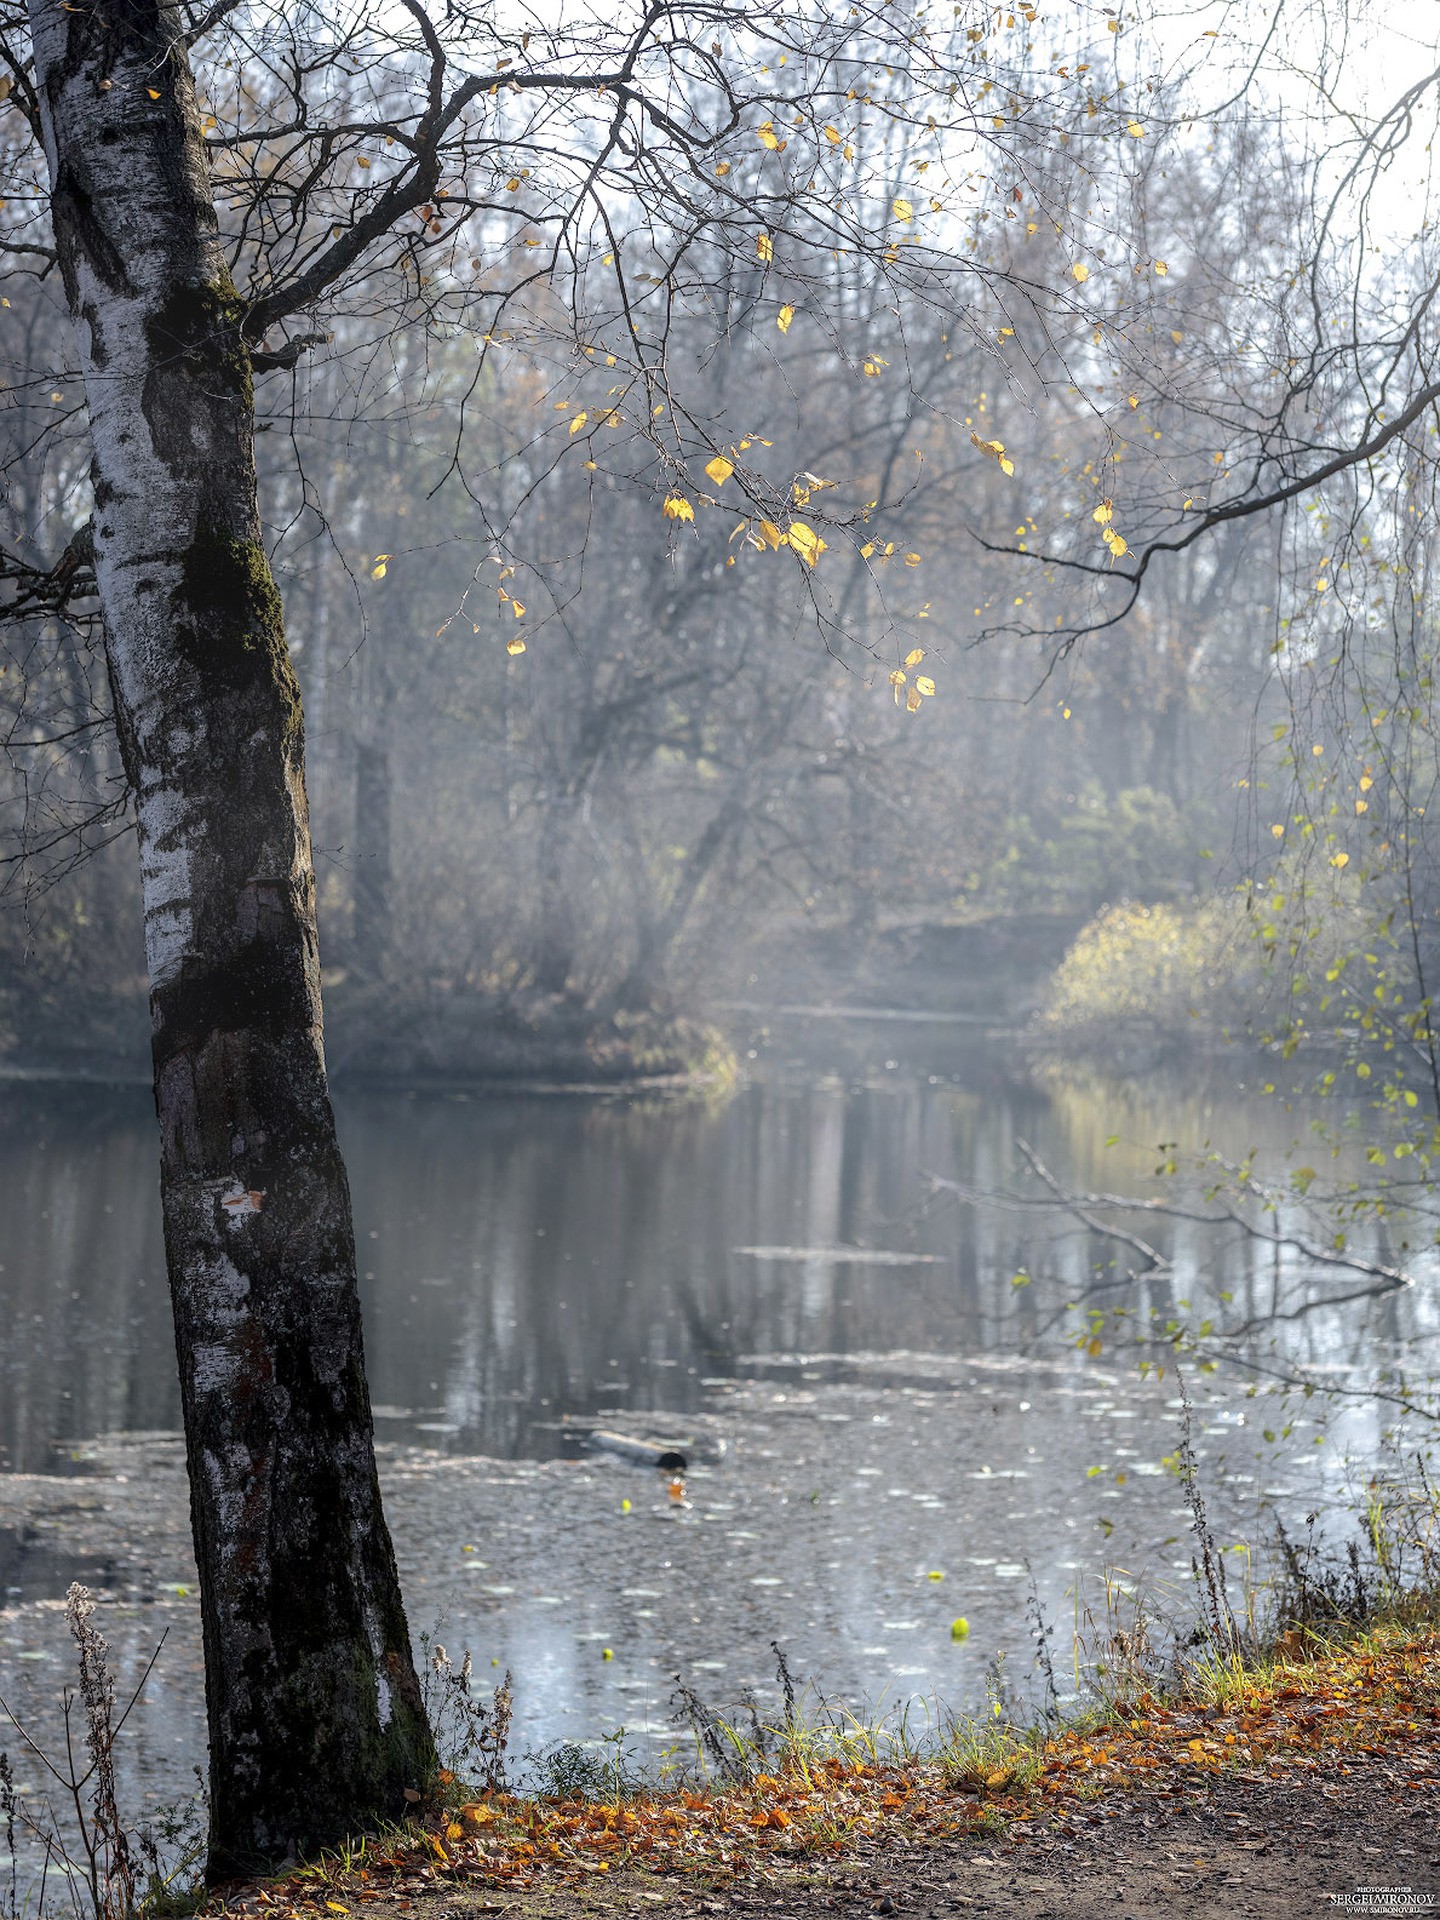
[96,1861]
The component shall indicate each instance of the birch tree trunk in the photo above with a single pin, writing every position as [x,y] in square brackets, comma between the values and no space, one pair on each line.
[315,1718]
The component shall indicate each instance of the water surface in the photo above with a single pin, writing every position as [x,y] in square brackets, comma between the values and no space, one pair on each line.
[773,1281]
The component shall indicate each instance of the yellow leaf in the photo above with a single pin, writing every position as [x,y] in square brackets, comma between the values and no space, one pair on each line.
[1277,832]
[1339,859]
[784,317]
[867,549]
[995,449]
[517,607]
[897,681]
[608,260]
[767,137]
[912,559]
[1135,130]
[720,469]
[377,572]
[904,210]
[1160,267]
[677,507]
[578,422]
[834,136]
[925,685]
[154,92]
[1115,542]
[514,644]
[512,185]
[765,247]
[772,535]
[912,700]
[1176,336]
[1366,783]
[1080,271]
[1134,400]
[806,542]
[1104,513]
[914,656]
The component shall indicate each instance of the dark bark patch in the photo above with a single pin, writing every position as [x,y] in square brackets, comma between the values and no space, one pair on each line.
[80,230]
[199,393]
[230,624]
[256,989]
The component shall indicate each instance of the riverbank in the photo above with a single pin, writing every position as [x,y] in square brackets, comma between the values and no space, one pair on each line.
[423,1037]
[417,1033]
[1281,1790]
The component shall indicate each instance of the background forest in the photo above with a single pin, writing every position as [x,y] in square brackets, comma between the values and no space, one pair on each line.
[675,769]
[568,753]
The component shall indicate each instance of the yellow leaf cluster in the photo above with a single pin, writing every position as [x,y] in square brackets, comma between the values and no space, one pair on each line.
[677,507]
[994,450]
[924,687]
[378,571]
[1115,542]
[765,247]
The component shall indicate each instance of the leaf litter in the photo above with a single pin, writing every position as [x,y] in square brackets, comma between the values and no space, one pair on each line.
[1318,1720]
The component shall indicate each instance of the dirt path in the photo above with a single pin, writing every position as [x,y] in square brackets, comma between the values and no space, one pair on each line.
[1360,1838]
[1312,1788]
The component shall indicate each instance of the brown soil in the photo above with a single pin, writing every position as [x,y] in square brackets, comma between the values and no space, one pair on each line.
[1282,1848]
[1307,1787]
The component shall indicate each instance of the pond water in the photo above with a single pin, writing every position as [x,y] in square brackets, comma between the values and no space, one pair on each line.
[886,1431]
